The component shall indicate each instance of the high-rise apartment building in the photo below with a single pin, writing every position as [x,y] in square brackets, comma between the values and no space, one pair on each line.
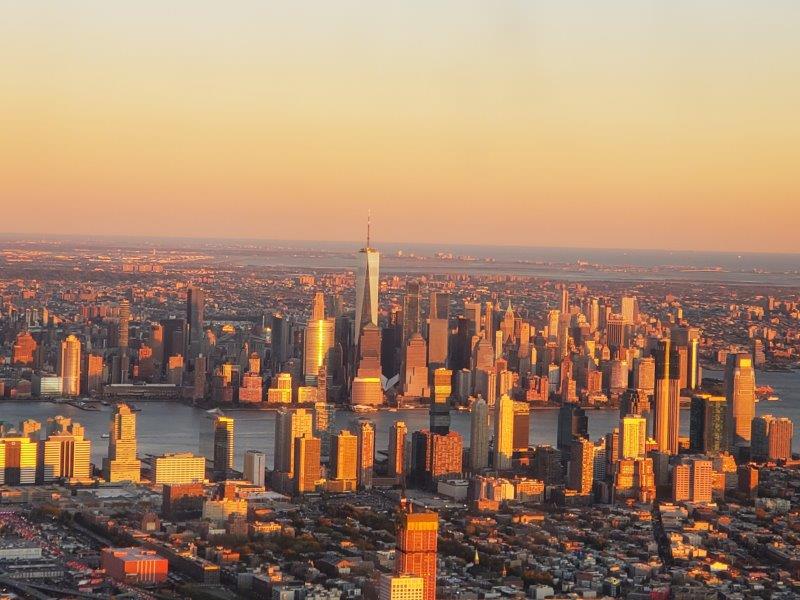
[633,437]
[771,438]
[344,458]
[223,444]
[365,431]
[307,461]
[692,480]
[581,465]
[707,424]
[401,587]
[397,449]
[417,544]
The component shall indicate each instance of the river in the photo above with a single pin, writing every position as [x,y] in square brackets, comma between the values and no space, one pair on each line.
[173,427]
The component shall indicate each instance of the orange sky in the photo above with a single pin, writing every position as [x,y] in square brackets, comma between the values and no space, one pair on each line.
[603,124]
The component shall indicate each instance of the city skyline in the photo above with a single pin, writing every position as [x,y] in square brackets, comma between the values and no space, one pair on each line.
[668,126]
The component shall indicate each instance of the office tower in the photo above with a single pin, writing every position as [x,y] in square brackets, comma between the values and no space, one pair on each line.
[522,425]
[581,465]
[507,326]
[411,311]
[23,350]
[771,438]
[366,452]
[318,342]
[666,405]
[615,331]
[344,458]
[644,374]
[572,423]
[472,313]
[307,460]
[66,453]
[279,340]
[630,309]
[18,459]
[195,318]
[740,393]
[401,587]
[488,323]
[415,367]
[439,329]
[479,435]
[93,378]
[707,422]
[122,463]
[366,391]
[504,433]
[440,403]
[632,437]
[179,468]
[71,366]
[367,278]
[692,480]
[290,424]
[635,479]
[417,538]
[397,449]
[255,467]
[223,444]
[564,304]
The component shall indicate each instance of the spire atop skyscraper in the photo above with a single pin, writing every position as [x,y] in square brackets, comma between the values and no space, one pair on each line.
[369,219]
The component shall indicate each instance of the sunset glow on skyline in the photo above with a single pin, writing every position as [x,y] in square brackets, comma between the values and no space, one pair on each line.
[597,124]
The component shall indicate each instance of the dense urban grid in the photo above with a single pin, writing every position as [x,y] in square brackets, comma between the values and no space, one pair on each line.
[692,492]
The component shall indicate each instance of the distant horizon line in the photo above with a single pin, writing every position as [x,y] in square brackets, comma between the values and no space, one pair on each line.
[30,236]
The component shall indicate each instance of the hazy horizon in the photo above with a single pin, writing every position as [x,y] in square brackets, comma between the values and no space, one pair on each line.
[619,124]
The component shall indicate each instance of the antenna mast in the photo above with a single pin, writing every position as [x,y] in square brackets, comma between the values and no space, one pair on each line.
[369,218]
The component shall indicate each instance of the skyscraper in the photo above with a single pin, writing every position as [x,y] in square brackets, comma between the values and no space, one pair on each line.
[572,423]
[632,437]
[366,452]
[307,460]
[504,433]
[707,424]
[290,424]
[122,463]
[692,480]
[18,459]
[195,317]
[438,329]
[344,458]
[318,341]
[666,403]
[771,438]
[123,332]
[397,449]
[440,402]
[522,425]
[479,435]
[411,311]
[581,465]
[367,278]
[223,444]
[255,466]
[71,366]
[740,393]
[417,540]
